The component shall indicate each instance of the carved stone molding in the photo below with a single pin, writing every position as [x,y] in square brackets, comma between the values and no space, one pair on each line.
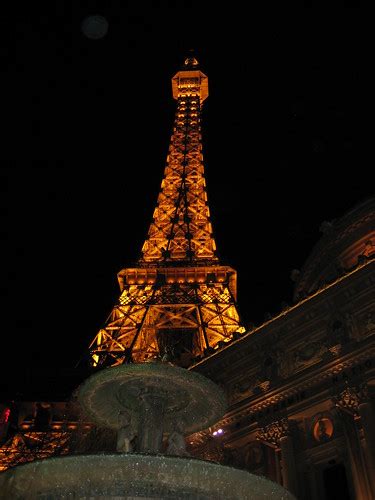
[273,432]
[290,362]
[352,326]
[351,397]
[315,379]
[249,413]
[368,323]
[335,350]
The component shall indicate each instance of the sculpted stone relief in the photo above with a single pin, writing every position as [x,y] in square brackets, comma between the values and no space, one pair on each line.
[359,328]
[340,330]
[278,361]
[272,432]
[176,443]
[351,326]
[258,381]
[274,365]
[126,433]
[350,398]
[243,388]
[346,327]
[285,362]
[369,323]
[292,361]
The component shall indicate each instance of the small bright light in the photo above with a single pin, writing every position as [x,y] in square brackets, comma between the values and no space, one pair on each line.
[214,433]
[220,431]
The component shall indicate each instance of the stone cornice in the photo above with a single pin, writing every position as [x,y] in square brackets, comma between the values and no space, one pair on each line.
[304,382]
[283,314]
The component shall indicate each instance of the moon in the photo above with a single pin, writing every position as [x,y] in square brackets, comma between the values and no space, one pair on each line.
[94,27]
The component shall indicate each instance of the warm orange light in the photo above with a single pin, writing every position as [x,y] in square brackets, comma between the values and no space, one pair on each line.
[179,283]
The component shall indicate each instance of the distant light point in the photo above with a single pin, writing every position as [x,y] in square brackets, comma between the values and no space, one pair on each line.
[94,27]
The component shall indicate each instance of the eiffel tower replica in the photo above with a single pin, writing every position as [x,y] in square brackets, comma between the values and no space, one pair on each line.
[179,303]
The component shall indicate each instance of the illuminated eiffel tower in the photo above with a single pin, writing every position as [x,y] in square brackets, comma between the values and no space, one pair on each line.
[179,303]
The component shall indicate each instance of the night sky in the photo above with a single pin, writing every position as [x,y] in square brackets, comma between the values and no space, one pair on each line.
[88,123]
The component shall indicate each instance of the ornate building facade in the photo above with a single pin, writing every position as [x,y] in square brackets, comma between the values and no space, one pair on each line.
[300,387]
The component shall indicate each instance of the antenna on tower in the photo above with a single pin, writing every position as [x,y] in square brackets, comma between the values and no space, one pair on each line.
[191,62]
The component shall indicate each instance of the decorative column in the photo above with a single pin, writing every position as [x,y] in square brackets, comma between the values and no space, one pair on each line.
[354,405]
[279,478]
[288,463]
[311,480]
[367,415]
[355,456]
[278,433]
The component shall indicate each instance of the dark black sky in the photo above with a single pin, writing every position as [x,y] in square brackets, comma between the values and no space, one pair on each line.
[87,126]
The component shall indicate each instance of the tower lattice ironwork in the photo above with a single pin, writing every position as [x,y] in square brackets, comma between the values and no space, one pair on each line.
[179,302]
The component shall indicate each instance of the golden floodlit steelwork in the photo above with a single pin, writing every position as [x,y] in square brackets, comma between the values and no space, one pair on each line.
[179,303]
[300,386]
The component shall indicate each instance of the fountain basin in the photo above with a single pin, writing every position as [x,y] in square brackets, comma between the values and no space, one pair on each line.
[187,397]
[131,476]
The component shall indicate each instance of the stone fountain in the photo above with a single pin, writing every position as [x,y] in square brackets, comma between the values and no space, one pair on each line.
[152,406]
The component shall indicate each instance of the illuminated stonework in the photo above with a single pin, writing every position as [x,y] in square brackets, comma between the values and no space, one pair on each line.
[179,302]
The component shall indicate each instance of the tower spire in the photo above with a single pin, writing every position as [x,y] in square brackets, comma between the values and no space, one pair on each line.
[179,302]
[181,229]
[191,61]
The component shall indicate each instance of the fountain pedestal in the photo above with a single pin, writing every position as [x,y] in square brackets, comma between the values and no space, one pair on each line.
[159,398]
[151,418]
